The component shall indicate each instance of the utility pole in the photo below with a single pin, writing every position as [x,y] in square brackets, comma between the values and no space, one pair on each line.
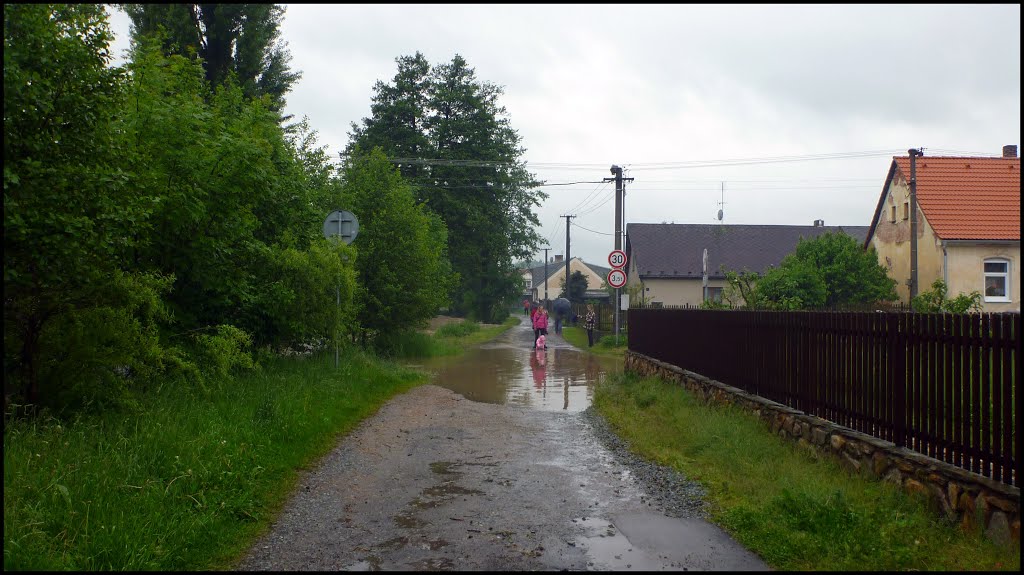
[617,172]
[567,218]
[546,276]
[912,282]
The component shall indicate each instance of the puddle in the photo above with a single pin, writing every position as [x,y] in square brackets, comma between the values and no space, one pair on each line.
[508,371]
[628,542]
[608,549]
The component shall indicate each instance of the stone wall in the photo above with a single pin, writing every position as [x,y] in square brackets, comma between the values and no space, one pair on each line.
[968,498]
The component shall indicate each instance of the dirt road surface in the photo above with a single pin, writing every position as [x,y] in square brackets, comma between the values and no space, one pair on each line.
[435,481]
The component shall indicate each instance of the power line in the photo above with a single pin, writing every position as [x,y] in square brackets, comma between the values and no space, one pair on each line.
[593,231]
[650,165]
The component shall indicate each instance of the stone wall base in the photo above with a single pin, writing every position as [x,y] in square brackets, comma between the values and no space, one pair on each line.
[974,501]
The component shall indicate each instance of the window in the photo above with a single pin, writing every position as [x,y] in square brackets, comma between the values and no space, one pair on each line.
[906,210]
[529,284]
[893,218]
[997,280]
[715,294]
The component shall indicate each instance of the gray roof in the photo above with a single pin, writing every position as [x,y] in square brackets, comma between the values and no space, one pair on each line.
[559,268]
[676,250]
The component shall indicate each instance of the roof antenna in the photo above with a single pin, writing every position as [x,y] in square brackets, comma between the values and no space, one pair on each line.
[721,203]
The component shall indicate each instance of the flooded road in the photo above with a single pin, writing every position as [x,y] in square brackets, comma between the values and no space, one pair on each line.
[508,371]
[496,466]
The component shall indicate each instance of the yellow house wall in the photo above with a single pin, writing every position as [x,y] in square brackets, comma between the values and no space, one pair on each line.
[965,265]
[891,241]
[557,278]
[676,291]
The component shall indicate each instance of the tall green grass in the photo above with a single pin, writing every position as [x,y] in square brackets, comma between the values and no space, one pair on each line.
[449,339]
[605,345]
[185,483]
[796,511]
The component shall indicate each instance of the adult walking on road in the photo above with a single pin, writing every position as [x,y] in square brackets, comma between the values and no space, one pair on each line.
[589,322]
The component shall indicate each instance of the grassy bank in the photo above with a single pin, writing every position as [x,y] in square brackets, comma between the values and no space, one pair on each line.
[577,336]
[796,512]
[187,482]
[450,339]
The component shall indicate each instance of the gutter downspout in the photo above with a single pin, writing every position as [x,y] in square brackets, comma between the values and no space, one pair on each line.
[945,265]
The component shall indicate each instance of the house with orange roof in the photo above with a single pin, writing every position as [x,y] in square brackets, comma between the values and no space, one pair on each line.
[968,226]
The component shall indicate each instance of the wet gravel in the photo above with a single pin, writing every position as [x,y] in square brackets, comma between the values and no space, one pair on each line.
[669,491]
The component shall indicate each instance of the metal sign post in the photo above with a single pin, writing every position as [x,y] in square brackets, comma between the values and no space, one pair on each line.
[344,226]
[617,279]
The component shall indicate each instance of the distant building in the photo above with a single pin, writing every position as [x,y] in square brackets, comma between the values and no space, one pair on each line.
[536,282]
[666,261]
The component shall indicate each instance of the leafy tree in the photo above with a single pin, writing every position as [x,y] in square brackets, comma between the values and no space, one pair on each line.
[830,270]
[230,39]
[851,274]
[795,285]
[936,300]
[577,287]
[403,274]
[70,215]
[463,159]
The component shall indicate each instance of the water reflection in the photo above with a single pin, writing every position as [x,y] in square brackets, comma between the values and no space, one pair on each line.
[508,371]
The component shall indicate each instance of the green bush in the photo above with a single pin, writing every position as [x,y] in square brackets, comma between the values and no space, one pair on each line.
[223,352]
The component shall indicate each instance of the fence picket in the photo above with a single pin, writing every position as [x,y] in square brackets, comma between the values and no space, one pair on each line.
[944,385]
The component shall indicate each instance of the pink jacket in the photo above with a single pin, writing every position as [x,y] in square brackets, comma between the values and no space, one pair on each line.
[540,321]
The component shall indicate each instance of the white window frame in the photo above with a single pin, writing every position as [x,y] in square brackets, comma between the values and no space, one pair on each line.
[1005,275]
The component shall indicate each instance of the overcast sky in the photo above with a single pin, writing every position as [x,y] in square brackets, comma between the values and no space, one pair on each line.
[695,102]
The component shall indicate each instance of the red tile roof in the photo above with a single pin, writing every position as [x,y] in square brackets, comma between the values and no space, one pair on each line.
[968,198]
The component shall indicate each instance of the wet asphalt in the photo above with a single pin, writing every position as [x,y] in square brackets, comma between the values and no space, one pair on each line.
[497,469]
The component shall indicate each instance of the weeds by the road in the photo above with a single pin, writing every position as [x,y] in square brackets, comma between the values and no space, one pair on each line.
[796,512]
[605,346]
[188,481]
[449,339]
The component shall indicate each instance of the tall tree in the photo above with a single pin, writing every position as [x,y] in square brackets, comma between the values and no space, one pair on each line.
[577,291]
[239,39]
[402,269]
[463,157]
[71,215]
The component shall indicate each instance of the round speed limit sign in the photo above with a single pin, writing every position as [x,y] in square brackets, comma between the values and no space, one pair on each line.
[616,278]
[617,258]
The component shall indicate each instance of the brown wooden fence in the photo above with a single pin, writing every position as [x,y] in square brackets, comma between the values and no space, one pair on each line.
[944,385]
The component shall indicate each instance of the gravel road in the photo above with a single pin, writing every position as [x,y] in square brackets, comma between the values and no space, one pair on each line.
[434,481]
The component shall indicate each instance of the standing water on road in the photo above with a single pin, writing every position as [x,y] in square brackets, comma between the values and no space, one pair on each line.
[509,371]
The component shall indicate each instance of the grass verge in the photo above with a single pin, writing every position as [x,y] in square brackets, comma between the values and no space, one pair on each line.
[191,479]
[796,511]
[450,339]
[188,482]
[605,346]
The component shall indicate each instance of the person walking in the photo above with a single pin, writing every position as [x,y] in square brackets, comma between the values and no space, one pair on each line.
[540,326]
[534,314]
[589,321]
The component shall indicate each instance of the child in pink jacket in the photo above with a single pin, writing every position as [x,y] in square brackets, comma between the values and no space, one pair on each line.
[540,326]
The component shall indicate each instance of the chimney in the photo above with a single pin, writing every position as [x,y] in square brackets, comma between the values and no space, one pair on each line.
[558,258]
[819,223]
[1009,151]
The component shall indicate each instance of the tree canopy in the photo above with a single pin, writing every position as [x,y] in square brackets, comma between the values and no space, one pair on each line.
[453,141]
[230,39]
[831,270]
[152,222]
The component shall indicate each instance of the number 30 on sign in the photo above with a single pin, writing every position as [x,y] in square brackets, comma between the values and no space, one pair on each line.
[617,258]
[616,278]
